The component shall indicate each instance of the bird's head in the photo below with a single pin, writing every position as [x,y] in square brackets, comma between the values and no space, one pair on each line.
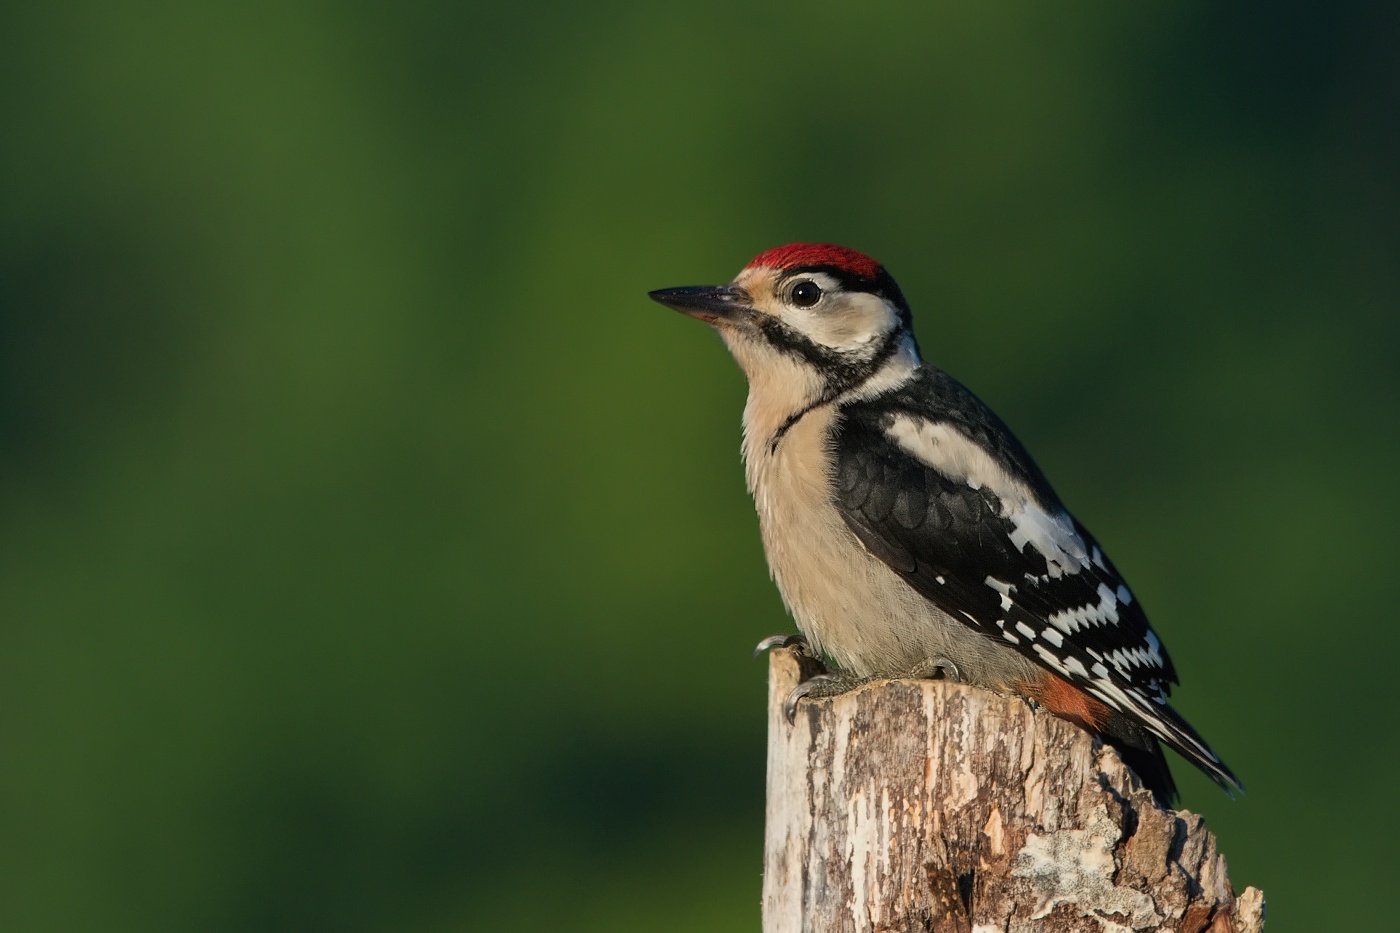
[817,313]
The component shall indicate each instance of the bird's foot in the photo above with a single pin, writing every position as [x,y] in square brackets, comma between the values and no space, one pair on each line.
[936,669]
[795,641]
[835,683]
[822,685]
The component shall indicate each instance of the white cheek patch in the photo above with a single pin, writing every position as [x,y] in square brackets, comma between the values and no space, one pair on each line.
[843,322]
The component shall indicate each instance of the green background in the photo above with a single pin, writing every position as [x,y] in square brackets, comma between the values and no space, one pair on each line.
[375,556]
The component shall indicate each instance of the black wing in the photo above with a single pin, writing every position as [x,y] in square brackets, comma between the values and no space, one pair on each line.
[1014,566]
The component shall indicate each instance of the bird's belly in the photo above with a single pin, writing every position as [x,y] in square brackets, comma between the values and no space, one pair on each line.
[861,614]
[851,606]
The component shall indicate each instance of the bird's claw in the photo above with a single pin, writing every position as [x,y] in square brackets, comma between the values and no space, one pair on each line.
[805,689]
[782,641]
[830,684]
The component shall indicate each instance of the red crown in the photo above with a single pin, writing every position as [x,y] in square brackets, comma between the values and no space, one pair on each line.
[795,255]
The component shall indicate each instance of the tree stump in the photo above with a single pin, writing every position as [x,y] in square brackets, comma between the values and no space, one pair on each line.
[932,806]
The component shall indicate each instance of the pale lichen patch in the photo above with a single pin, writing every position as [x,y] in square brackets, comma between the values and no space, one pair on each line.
[1076,867]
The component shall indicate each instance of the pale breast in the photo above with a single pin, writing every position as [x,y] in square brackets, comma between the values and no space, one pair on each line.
[849,604]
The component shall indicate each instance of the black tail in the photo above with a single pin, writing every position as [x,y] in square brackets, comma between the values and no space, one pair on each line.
[1141,752]
[1167,725]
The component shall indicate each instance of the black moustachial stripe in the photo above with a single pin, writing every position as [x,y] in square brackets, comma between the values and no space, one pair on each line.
[842,371]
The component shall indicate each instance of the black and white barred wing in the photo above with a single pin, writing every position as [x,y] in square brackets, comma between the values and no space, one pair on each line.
[994,548]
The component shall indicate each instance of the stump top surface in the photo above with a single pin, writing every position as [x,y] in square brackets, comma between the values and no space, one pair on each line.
[927,805]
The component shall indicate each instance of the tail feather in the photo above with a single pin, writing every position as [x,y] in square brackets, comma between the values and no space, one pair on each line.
[1141,752]
[1137,734]
[1187,742]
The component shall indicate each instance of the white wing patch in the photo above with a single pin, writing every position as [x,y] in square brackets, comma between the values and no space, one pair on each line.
[1105,612]
[956,456]
[1148,654]
[1003,588]
[1053,535]
[1050,658]
[942,447]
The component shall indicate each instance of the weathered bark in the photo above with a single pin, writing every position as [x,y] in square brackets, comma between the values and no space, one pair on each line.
[924,805]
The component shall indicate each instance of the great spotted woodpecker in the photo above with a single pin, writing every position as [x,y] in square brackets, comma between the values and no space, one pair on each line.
[908,530]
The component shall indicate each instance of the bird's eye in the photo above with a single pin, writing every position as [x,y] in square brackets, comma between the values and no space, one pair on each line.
[806,293]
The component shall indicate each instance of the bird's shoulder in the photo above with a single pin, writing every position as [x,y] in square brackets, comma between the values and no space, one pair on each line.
[938,421]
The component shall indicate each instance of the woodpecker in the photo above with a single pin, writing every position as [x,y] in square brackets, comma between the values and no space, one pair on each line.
[909,531]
